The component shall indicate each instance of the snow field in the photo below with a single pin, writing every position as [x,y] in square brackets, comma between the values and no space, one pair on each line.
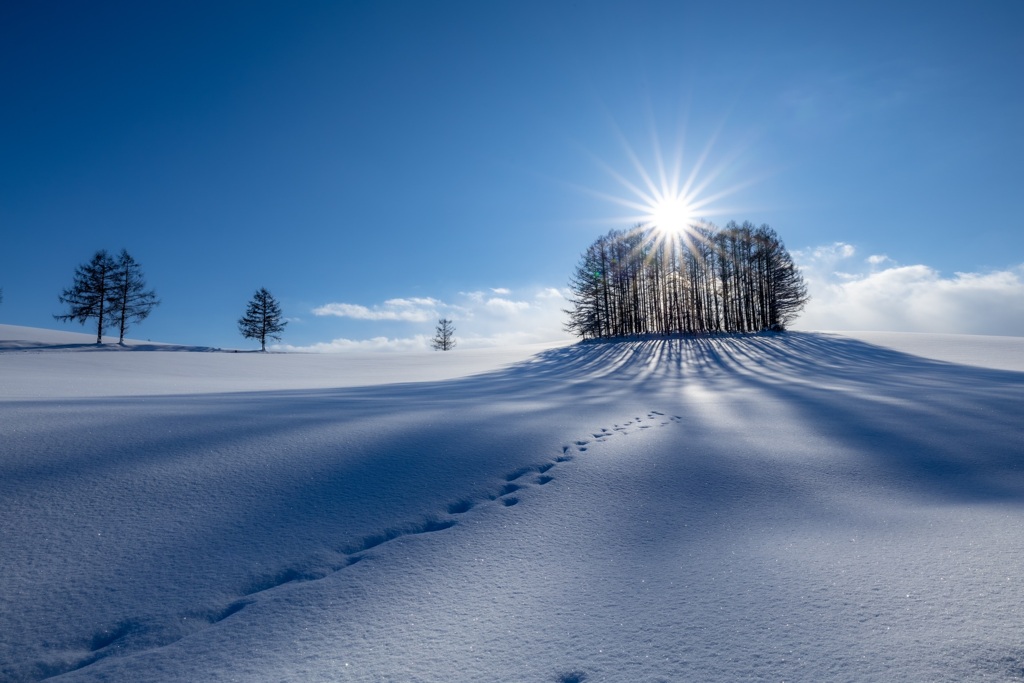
[794,507]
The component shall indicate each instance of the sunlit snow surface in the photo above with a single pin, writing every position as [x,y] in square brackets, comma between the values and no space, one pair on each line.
[801,507]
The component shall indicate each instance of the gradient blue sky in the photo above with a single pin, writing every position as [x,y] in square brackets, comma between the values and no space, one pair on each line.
[378,164]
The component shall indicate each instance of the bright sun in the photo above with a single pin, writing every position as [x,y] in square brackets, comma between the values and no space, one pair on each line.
[671,215]
[663,199]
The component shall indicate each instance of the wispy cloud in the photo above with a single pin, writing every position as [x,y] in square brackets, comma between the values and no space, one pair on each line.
[341,345]
[410,310]
[850,292]
[501,305]
[495,316]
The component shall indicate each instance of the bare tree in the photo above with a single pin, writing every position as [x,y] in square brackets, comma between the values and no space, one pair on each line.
[262,319]
[130,299]
[443,336]
[90,294]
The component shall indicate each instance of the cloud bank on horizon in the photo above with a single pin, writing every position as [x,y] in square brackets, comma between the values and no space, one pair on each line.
[854,292]
[496,317]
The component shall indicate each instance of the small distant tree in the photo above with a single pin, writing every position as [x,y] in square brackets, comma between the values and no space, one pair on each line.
[130,300]
[443,336]
[90,294]
[262,319]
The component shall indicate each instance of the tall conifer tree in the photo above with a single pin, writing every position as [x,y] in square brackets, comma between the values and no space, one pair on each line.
[262,319]
[130,300]
[90,294]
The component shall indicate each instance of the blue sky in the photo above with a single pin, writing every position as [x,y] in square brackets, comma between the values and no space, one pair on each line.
[376,165]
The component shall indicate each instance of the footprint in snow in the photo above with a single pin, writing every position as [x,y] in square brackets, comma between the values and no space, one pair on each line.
[518,473]
[460,507]
[507,489]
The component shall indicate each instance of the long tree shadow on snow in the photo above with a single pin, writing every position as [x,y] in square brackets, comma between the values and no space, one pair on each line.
[941,429]
[867,396]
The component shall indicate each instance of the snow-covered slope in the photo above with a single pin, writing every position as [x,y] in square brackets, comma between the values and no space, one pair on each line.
[999,353]
[790,507]
[45,368]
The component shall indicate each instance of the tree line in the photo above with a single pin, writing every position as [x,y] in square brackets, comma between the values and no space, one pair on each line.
[736,279]
[112,291]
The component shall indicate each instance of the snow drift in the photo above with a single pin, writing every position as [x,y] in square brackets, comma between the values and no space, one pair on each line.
[785,507]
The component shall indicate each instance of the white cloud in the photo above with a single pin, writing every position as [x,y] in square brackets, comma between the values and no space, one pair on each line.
[828,253]
[412,301]
[415,343]
[410,310]
[482,319]
[877,293]
[506,306]
[550,293]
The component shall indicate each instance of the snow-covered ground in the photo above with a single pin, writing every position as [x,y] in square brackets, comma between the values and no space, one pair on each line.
[797,507]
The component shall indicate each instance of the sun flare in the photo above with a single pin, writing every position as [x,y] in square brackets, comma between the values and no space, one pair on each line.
[667,198]
[671,215]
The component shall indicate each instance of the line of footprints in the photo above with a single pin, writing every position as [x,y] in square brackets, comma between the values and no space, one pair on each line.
[354,552]
[514,481]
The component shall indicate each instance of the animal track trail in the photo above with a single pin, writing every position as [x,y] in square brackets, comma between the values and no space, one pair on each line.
[121,636]
[653,418]
[515,481]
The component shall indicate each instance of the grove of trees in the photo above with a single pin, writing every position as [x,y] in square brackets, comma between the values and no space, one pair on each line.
[262,319]
[736,279]
[111,290]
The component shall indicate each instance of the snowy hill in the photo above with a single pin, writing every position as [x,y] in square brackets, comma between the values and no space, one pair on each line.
[788,507]
[17,338]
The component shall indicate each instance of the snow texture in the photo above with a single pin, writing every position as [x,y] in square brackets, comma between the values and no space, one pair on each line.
[802,506]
